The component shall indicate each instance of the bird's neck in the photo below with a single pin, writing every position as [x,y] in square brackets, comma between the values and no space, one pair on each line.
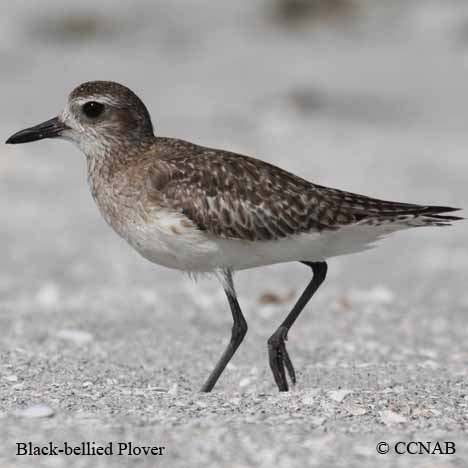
[107,161]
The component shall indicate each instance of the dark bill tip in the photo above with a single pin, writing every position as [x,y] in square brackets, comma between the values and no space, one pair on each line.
[49,129]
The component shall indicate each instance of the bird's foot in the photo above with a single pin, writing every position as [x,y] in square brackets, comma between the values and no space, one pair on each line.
[279,359]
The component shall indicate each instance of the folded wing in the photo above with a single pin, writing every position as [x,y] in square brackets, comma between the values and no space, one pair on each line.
[237,197]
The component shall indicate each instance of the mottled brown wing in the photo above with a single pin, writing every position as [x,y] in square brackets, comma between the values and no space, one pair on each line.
[237,197]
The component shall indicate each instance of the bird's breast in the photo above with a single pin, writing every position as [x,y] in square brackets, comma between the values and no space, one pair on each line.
[162,236]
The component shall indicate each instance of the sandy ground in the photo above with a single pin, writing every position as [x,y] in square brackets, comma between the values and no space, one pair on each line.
[99,345]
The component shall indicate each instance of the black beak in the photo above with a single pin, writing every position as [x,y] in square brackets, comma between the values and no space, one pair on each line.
[50,129]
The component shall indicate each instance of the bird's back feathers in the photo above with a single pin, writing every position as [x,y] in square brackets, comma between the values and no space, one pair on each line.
[233,196]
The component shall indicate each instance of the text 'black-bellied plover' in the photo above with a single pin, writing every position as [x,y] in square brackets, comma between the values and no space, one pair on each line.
[204,210]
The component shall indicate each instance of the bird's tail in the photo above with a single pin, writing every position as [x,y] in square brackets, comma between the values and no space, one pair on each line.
[420,215]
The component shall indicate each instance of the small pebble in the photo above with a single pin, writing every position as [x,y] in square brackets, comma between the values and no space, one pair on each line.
[244,382]
[158,389]
[78,337]
[36,411]
[390,418]
[422,412]
[173,390]
[355,410]
[310,398]
[338,395]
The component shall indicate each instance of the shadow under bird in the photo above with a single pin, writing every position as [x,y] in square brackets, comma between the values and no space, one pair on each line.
[204,210]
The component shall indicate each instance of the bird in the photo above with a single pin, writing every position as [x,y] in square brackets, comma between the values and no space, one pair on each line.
[210,211]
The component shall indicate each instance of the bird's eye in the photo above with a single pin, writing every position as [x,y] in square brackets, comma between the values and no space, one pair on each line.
[93,109]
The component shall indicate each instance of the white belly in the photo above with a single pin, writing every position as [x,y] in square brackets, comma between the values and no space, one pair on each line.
[169,241]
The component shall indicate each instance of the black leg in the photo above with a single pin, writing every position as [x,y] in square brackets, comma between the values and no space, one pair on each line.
[278,355]
[239,329]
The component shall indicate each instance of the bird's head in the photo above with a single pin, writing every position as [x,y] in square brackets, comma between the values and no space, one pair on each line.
[97,116]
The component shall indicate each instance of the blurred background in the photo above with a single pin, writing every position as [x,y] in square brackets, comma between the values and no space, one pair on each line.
[363,95]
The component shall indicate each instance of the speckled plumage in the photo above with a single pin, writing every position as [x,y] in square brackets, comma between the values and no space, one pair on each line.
[223,196]
[237,197]
[227,195]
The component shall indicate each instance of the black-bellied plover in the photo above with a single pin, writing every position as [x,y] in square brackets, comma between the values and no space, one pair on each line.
[204,210]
